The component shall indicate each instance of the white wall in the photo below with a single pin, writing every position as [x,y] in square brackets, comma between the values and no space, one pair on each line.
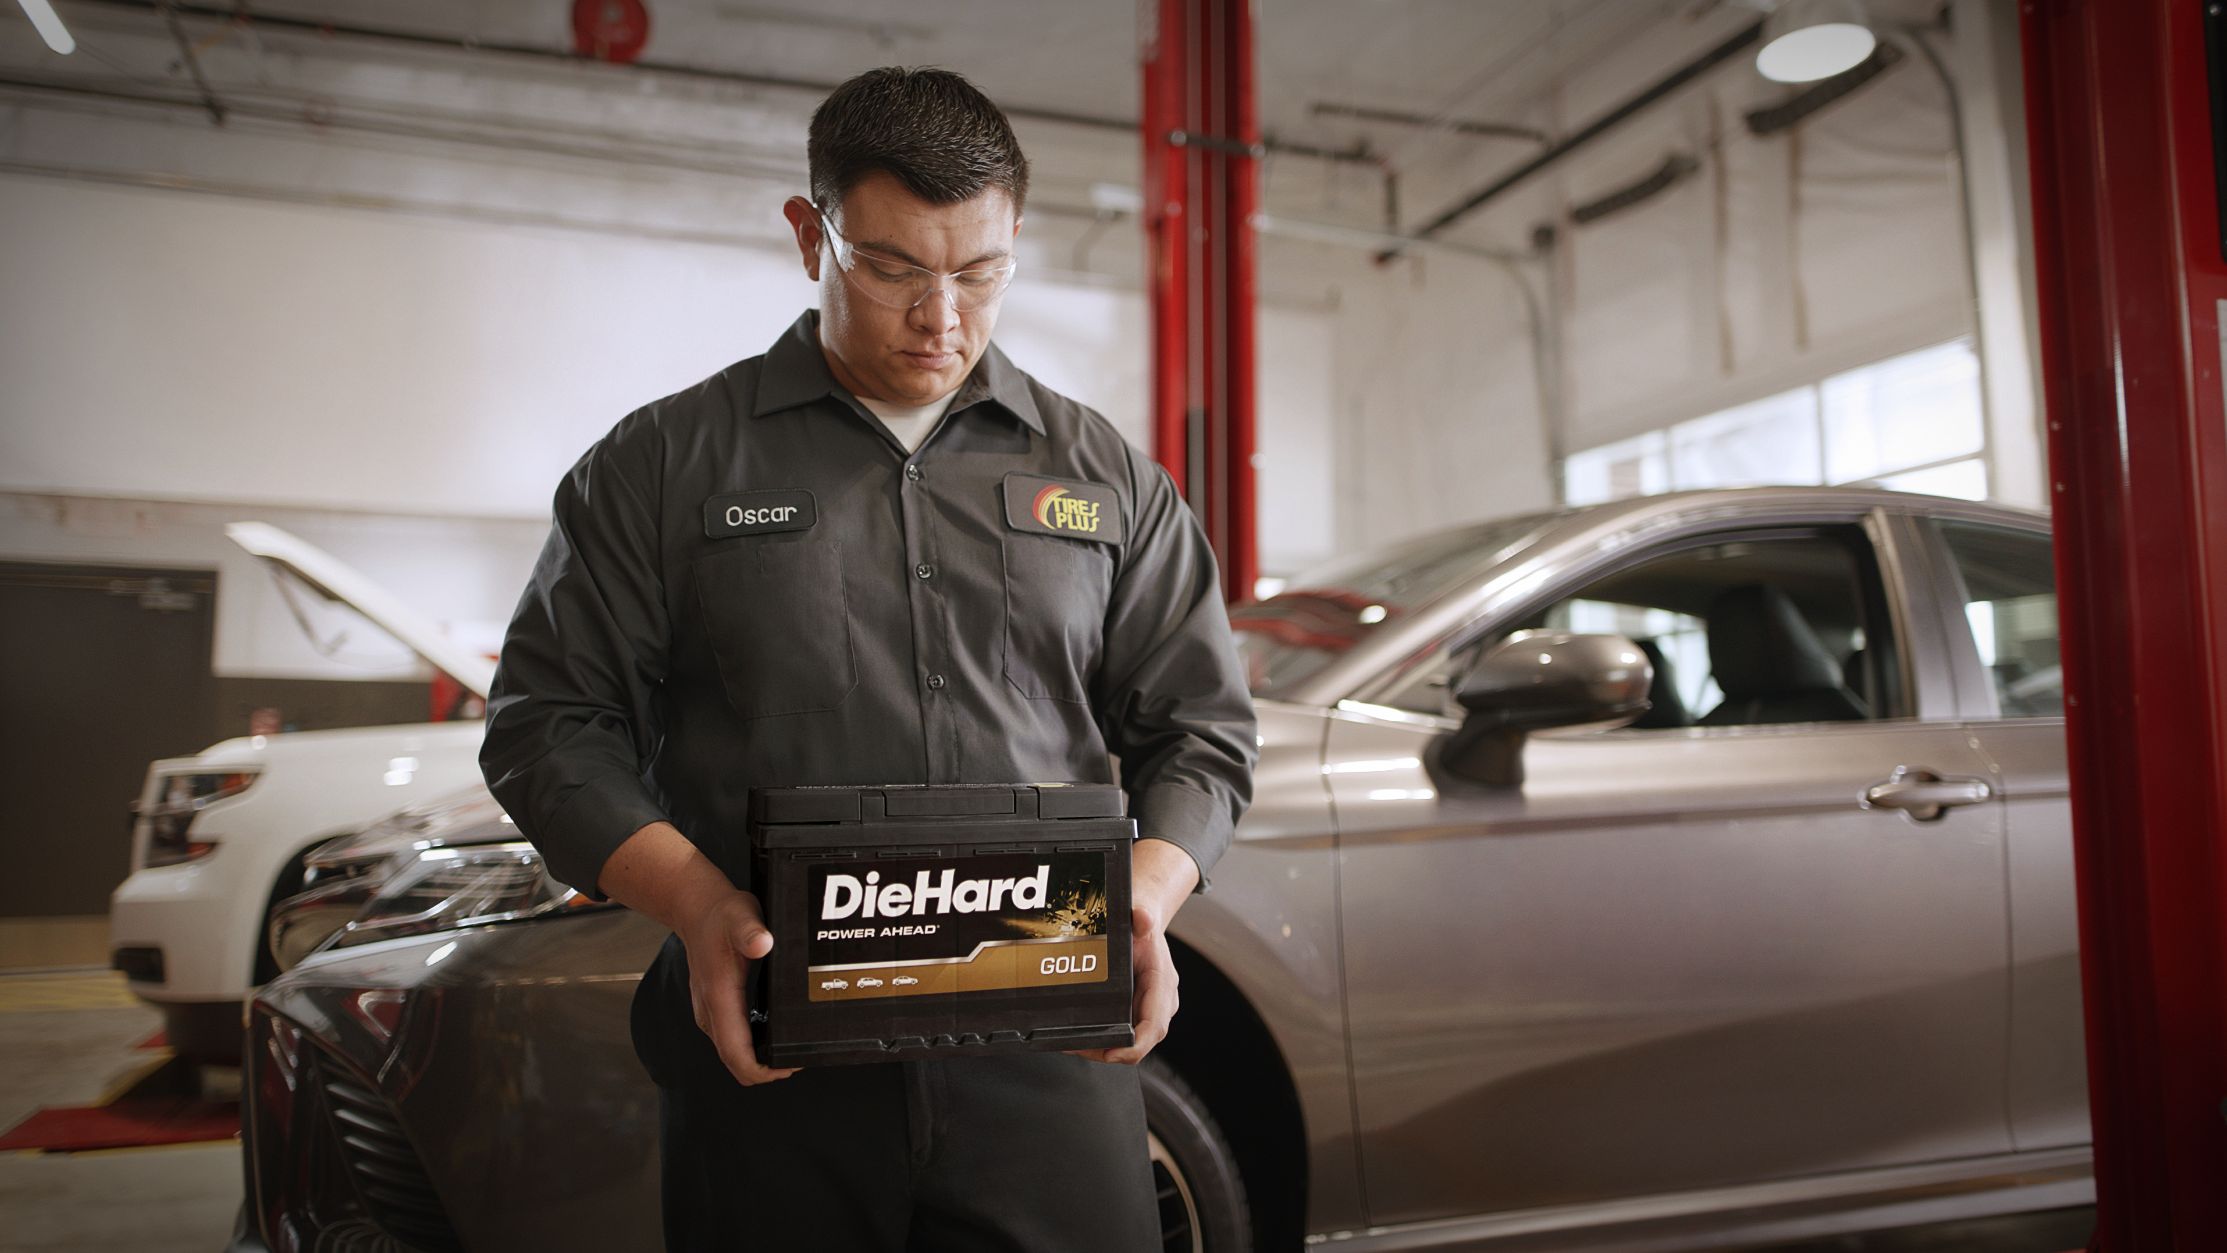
[1439,418]
[173,346]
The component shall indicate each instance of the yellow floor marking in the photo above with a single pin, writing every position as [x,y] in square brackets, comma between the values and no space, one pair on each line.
[25,994]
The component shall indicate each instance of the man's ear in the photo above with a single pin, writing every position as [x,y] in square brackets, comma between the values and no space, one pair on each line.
[804,221]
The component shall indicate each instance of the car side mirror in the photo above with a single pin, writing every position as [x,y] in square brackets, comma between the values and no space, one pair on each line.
[1536,681]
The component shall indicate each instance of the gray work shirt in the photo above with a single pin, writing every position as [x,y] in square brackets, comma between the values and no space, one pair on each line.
[750,583]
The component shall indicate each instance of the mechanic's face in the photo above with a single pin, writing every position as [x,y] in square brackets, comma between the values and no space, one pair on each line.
[906,356]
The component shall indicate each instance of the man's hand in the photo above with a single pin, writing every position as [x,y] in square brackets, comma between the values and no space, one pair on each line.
[722,941]
[656,871]
[1161,875]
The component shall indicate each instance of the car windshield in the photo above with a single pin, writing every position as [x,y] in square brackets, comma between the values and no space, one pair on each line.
[1289,637]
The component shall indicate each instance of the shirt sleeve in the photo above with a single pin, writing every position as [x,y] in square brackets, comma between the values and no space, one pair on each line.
[1171,694]
[572,718]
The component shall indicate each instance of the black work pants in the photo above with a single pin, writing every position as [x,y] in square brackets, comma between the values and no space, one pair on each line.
[1022,1152]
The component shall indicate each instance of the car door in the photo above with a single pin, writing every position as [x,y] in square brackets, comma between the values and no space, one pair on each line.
[1999,599]
[1676,957]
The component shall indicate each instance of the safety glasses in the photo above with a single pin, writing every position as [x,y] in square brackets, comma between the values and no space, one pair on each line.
[899,285]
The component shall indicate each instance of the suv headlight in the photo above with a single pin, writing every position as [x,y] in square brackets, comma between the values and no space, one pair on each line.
[440,889]
[182,798]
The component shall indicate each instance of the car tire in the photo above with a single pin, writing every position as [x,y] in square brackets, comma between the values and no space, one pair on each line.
[204,1033]
[1201,1192]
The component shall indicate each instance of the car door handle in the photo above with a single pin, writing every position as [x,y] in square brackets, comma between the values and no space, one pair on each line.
[1923,794]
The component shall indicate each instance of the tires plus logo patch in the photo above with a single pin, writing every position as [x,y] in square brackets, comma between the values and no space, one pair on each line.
[1061,511]
[1068,508]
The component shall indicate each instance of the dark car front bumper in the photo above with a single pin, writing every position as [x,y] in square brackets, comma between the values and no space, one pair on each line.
[472,1089]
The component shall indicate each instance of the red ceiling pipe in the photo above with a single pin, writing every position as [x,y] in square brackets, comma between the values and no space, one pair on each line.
[2132,281]
[1201,157]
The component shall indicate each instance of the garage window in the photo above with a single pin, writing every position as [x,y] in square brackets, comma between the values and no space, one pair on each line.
[1912,423]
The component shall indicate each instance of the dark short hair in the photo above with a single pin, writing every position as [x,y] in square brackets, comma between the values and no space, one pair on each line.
[932,130]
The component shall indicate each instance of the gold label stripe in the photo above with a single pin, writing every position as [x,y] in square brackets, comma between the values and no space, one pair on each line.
[990,968]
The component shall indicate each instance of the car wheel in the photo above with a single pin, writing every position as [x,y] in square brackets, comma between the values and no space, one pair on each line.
[1201,1193]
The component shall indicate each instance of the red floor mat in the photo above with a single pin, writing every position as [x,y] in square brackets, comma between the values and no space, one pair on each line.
[166,1104]
[127,1123]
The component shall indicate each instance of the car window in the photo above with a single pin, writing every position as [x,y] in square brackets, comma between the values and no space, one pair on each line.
[1289,637]
[1741,631]
[2010,602]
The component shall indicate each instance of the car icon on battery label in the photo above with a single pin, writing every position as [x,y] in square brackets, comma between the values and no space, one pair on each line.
[869,981]
[834,985]
[904,981]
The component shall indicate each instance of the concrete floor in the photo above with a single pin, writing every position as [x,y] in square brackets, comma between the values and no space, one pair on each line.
[68,1037]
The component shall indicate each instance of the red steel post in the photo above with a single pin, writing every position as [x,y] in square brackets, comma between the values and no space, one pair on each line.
[2132,284]
[1165,38]
[1201,171]
[1241,560]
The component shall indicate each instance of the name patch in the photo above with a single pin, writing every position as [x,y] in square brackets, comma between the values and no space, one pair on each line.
[759,513]
[1068,508]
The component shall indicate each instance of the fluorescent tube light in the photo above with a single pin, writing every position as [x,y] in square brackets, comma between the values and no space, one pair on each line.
[49,24]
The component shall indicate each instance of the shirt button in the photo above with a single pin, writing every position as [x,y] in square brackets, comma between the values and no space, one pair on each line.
[924,570]
[935,682]
[912,471]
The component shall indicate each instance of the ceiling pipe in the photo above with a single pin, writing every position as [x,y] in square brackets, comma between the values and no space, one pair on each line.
[264,21]
[1676,79]
[1400,117]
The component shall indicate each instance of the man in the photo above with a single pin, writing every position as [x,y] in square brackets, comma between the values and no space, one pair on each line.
[819,566]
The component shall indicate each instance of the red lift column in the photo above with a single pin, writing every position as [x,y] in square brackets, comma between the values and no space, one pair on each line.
[2131,256]
[1201,185]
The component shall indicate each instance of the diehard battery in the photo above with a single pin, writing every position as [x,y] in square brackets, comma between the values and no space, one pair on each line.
[939,921]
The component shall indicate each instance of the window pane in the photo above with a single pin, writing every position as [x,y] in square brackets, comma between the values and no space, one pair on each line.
[1769,441]
[1639,466]
[1965,480]
[1741,632]
[2011,605]
[1905,411]
[1289,637]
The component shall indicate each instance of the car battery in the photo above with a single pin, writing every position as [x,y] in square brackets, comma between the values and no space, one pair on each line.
[940,921]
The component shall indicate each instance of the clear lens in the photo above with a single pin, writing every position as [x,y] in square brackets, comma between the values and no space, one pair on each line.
[898,285]
[446,888]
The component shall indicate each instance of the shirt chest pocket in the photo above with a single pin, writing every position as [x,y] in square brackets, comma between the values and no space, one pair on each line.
[779,625]
[1055,614]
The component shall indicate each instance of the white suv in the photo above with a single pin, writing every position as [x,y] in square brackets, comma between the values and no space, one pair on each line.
[220,836]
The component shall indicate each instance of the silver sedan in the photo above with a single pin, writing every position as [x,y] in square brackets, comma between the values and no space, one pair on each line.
[1686,872]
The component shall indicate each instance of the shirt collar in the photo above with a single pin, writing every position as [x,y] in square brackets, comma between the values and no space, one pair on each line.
[796,373]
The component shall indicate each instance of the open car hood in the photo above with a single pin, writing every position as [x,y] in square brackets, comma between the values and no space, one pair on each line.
[334,578]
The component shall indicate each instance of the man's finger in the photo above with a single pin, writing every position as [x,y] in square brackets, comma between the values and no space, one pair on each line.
[730,1029]
[750,937]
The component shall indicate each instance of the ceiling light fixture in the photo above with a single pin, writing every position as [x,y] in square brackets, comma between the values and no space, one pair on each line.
[49,24]
[1806,40]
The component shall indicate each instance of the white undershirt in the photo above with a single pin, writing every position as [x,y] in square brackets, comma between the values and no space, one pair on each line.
[911,425]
